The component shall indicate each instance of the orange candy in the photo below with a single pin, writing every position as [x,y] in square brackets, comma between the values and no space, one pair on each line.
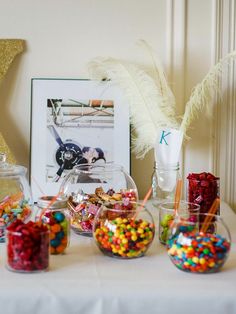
[60,248]
[55,228]
[52,235]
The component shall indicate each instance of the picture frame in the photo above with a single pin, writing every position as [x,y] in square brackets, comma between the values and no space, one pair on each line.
[75,121]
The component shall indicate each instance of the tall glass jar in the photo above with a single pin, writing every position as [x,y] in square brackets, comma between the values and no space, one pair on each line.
[15,195]
[89,186]
[27,247]
[53,213]
[164,180]
[202,189]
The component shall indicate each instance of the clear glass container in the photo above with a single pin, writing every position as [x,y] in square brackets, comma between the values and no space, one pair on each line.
[164,180]
[187,211]
[15,195]
[199,250]
[53,213]
[121,232]
[89,186]
[27,247]
[203,188]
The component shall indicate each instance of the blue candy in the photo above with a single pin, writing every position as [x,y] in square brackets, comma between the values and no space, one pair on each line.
[59,217]
[55,242]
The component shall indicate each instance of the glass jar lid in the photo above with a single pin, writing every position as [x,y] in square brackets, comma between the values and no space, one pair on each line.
[48,202]
[7,169]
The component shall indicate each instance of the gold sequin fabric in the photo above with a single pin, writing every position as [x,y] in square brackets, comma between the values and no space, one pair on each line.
[9,48]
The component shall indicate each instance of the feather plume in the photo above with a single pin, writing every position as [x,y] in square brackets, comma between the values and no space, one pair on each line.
[159,77]
[146,100]
[204,92]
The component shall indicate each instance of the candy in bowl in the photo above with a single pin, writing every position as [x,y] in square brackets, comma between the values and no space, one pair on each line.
[199,250]
[87,187]
[123,232]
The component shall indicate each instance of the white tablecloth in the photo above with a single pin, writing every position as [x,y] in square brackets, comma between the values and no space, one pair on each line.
[85,281]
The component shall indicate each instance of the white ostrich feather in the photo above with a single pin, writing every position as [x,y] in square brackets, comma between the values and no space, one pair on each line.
[204,92]
[158,74]
[145,99]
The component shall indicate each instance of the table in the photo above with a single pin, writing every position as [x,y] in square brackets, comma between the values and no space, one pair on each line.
[85,281]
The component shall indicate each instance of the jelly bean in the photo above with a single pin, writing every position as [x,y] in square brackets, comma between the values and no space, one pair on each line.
[14,207]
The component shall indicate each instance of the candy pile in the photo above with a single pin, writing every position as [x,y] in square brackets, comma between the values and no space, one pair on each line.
[125,238]
[203,188]
[11,208]
[199,252]
[164,227]
[59,230]
[84,210]
[27,246]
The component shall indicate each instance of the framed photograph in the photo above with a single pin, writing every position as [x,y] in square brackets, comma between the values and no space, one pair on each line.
[75,122]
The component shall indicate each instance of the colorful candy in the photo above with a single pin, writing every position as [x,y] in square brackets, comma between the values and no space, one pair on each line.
[11,208]
[84,208]
[164,227]
[58,225]
[124,237]
[198,252]
[27,246]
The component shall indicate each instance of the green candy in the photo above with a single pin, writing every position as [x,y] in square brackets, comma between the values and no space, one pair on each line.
[166,219]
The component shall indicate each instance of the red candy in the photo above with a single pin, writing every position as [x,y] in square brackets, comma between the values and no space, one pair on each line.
[27,246]
[203,189]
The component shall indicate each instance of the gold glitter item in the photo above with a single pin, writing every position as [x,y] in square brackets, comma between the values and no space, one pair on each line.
[9,48]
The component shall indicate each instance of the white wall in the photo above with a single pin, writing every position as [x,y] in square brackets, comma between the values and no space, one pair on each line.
[63,35]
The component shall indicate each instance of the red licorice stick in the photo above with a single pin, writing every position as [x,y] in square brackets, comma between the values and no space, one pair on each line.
[143,202]
[178,193]
[212,211]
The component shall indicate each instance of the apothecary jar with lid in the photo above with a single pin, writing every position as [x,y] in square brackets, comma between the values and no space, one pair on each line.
[15,195]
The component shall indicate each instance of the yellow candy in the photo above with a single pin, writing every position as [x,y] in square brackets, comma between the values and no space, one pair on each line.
[124,241]
[202,261]
[134,238]
[140,230]
[212,264]
[195,259]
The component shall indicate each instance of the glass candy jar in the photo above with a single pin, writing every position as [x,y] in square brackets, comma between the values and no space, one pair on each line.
[15,195]
[89,186]
[27,247]
[164,180]
[199,250]
[123,230]
[187,211]
[203,188]
[53,212]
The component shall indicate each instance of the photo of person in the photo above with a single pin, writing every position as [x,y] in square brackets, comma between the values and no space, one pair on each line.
[78,132]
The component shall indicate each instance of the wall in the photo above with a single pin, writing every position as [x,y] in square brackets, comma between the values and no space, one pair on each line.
[63,35]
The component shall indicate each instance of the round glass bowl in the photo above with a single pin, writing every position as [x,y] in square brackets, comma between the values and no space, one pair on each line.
[123,233]
[89,186]
[15,195]
[186,210]
[199,251]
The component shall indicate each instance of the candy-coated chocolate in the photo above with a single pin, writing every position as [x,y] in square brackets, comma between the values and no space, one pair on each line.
[115,239]
[199,252]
